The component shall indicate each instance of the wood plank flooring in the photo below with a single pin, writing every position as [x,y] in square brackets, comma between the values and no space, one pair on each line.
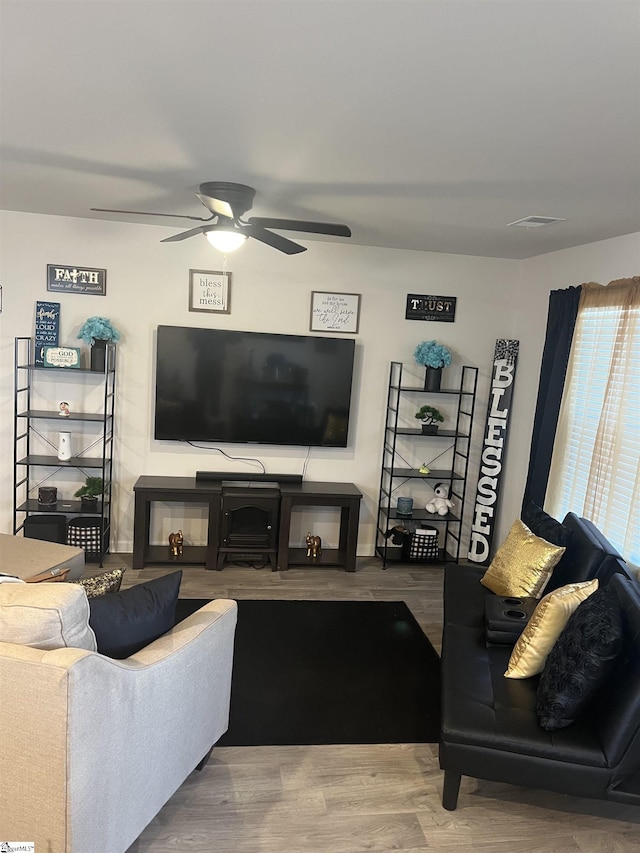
[346,799]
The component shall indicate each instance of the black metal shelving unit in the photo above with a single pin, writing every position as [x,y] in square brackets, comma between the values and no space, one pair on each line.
[395,471]
[33,469]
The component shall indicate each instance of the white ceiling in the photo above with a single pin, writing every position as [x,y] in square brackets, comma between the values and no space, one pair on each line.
[422,124]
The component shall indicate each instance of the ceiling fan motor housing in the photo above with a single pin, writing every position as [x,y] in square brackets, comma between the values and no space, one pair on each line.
[239,197]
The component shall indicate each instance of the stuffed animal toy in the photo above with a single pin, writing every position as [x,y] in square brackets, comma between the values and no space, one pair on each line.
[440,502]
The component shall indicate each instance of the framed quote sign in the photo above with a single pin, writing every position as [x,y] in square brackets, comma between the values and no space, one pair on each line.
[210,291]
[334,312]
[442,309]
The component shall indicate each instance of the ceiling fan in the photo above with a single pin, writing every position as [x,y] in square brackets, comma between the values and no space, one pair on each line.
[227,203]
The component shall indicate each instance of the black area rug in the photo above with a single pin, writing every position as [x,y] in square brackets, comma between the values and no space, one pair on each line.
[330,672]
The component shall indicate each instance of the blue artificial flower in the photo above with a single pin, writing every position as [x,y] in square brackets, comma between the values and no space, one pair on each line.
[98,329]
[432,354]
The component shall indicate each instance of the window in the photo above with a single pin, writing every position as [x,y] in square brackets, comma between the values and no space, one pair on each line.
[596,459]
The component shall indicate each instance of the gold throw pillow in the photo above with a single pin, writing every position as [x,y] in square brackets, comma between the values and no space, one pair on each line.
[547,622]
[523,564]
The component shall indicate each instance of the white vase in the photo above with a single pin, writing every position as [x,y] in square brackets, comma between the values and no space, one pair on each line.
[64,446]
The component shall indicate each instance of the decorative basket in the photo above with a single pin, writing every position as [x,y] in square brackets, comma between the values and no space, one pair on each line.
[423,545]
[85,533]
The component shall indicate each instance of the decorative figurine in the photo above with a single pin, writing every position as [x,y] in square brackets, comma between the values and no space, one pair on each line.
[175,543]
[314,546]
[64,410]
[440,502]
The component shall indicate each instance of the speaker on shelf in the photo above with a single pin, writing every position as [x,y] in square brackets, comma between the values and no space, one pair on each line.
[217,476]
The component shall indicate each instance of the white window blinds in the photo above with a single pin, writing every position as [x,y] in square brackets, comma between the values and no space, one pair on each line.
[596,460]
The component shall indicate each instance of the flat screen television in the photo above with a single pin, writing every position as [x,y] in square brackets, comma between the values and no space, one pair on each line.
[216,385]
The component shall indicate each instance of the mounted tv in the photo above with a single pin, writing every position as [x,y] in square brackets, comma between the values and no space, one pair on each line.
[216,385]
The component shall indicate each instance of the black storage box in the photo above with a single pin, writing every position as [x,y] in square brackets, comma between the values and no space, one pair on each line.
[51,528]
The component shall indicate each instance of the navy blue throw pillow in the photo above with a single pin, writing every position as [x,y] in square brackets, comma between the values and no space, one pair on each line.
[581,660]
[127,621]
[545,526]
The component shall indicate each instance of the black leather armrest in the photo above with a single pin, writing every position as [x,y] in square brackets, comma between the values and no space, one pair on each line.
[505,617]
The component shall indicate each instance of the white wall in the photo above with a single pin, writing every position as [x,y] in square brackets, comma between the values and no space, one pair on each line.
[602,262]
[147,285]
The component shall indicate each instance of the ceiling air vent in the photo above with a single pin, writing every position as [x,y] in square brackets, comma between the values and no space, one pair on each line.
[536,221]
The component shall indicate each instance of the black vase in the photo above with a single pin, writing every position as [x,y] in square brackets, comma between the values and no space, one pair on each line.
[432,378]
[429,429]
[99,354]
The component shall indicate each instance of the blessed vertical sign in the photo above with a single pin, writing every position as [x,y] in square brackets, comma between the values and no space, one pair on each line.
[493,450]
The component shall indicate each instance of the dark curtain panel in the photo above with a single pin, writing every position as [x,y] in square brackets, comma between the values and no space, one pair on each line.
[561,321]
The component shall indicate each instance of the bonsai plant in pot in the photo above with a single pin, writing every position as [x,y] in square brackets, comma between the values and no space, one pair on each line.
[429,418]
[89,493]
[98,332]
[433,356]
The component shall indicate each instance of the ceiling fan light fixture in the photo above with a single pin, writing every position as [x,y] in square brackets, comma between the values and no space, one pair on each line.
[225,240]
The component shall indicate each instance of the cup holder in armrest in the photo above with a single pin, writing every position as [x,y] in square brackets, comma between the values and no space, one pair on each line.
[515,614]
[505,617]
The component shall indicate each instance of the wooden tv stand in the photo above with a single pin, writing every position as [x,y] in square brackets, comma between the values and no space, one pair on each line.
[189,490]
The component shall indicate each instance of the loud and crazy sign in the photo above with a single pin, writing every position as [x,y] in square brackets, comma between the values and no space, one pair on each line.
[493,449]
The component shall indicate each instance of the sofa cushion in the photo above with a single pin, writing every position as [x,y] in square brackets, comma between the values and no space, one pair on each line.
[581,660]
[544,627]
[45,616]
[585,556]
[481,708]
[127,621]
[523,563]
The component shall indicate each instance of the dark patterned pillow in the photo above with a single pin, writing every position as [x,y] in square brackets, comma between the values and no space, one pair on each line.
[545,526]
[581,660]
[101,584]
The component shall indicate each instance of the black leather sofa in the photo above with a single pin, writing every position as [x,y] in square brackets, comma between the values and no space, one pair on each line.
[490,729]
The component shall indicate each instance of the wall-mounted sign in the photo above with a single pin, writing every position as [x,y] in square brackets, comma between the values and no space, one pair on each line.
[63,278]
[334,312]
[210,291]
[493,450]
[47,328]
[62,356]
[439,308]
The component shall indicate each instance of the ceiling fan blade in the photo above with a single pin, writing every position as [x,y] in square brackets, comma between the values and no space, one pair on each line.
[274,240]
[216,206]
[300,225]
[201,229]
[149,213]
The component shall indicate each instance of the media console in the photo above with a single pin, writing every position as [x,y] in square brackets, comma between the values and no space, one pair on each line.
[212,492]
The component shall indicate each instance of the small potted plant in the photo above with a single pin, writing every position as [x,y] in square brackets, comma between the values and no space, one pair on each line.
[430,418]
[433,356]
[98,332]
[89,493]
